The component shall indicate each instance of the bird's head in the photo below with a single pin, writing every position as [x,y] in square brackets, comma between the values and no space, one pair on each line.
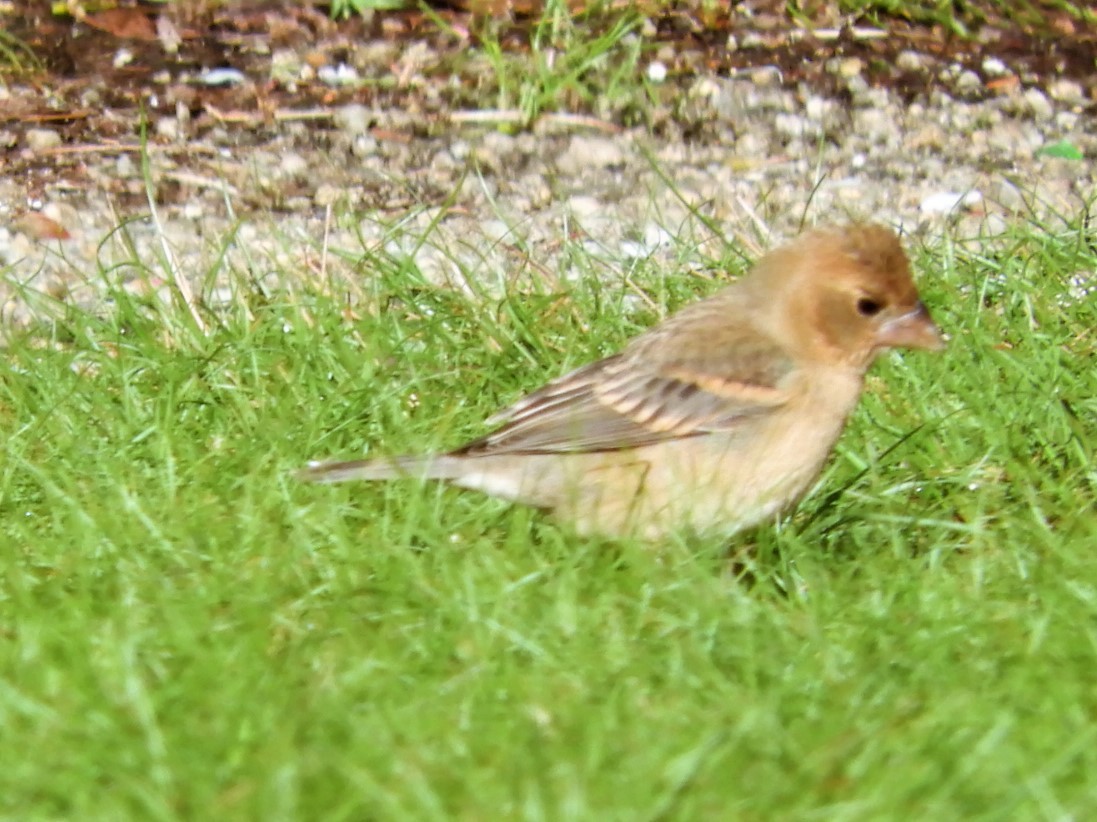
[849,295]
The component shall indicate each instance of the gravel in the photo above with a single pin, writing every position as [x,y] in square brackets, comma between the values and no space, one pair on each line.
[476,205]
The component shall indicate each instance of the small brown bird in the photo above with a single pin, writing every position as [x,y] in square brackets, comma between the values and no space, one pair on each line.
[715,420]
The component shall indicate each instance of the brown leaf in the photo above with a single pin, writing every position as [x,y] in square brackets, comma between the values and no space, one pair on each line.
[38,226]
[125,24]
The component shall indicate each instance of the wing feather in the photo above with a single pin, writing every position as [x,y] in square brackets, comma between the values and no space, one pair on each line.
[628,401]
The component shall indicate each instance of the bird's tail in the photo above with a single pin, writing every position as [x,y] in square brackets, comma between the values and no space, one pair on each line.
[423,467]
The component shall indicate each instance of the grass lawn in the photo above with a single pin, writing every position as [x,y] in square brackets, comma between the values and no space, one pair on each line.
[187,632]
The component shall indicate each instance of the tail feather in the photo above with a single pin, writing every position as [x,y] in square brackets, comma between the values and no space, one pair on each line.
[410,467]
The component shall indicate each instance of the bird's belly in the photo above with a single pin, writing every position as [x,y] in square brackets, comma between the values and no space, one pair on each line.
[708,485]
[713,485]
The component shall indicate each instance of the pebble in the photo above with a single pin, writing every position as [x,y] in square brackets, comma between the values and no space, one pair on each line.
[1066,91]
[947,202]
[969,84]
[353,119]
[846,67]
[875,125]
[791,126]
[590,152]
[338,75]
[221,77]
[124,167]
[285,67]
[751,40]
[1007,195]
[42,139]
[908,60]
[1067,122]
[1037,104]
[816,108]
[583,206]
[326,195]
[859,90]
[293,165]
[363,146]
[501,146]
[168,128]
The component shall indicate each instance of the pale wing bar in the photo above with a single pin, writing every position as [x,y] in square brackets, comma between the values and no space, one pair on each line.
[612,405]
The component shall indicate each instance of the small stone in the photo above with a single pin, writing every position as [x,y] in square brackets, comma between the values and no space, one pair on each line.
[1066,121]
[1066,91]
[64,213]
[42,139]
[326,195]
[849,67]
[499,145]
[656,236]
[221,77]
[339,75]
[590,152]
[751,144]
[994,67]
[168,128]
[950,72]
[1008,195]
[765,76]
[633,250]
[459,150]
[499,231]
[929,137]
[815,108]
[994,225]
[790,125]
[877,98]
[294,165]
[353,119]
[752,40]
[582,206]
[910,61]
[1037,104]
[947,202]
[285,67]
[874,124]
[968,83]
[363,146]
[657,71]
[858,89]
[124,167]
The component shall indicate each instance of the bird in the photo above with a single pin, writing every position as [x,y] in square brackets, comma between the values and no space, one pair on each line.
[717,419]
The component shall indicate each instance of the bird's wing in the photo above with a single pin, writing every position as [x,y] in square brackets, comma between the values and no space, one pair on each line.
[628,401]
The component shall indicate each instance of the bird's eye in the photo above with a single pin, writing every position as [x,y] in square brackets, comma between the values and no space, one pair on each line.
[868,307]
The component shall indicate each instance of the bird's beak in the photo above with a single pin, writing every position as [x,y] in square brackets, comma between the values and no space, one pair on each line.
[914,329]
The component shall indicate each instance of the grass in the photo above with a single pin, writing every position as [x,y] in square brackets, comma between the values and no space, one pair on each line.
[186,632]
[568,68]
[965,18]
[16,57]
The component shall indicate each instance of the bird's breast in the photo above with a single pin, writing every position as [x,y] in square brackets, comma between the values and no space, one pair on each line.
[717,484]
